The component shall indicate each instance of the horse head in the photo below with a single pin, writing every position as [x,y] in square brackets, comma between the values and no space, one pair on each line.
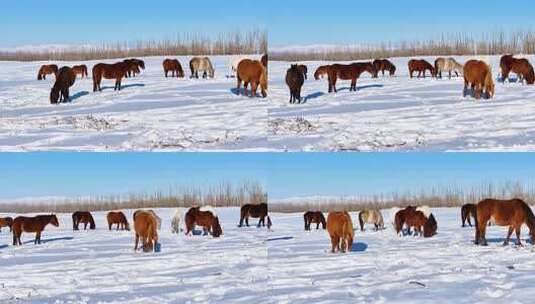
[216,227]
[54,220]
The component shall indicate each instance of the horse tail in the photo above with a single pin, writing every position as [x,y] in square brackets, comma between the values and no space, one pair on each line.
[361,221]
[91,222]
[476,223]
[191,67]
[347,232]
[268,222]
[305,219]
[74,221]
[39,75]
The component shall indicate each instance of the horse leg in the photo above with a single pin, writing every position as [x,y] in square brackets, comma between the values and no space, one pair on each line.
[353,84]
[254,86]
[506,242]
[317,225]
[238,79]
[449,74]
[517,230]
[14,239]
[137,241]
[334,243]
[38,237]
[85,225]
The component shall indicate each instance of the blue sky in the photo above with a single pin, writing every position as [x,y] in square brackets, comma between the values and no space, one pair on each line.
[283,174]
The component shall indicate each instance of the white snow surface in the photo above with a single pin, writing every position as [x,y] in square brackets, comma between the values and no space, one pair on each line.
[151,112]
[400,114]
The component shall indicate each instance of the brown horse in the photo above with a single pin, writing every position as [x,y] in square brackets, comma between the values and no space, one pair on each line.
[64,80]
[117,218]
[384,65]
[252,71]
[412,217]
[109,71]
[6,222]
[521,67]
[46,70]
[295,79]
[80,70]
[32,224]
[347,72]
[84,217]
[468,211]
[420,66]
[173,66]
[259,211]
[314,217]
[145,226]
[512,213]
[340,228]
[205,218]
[134,66]
[264,60]
[416,220]
[477,74]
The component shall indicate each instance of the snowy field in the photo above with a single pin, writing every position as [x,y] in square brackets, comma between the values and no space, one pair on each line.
[150,113]
[251,265]
[400,114]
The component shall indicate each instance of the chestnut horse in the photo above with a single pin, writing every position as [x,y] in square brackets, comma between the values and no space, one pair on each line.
[340,228]
[32,224]
[252,71]
[174,66]
[468,211]
[259,211]
[384,65]
[512,213]
[145,227]
[314,217]
[6,222]
[109,71]
[117,218]
[64,80]
[156,217]
[420,66]
[371,217]
[47,69]
[197,64]
[264,60]
[134,66]
[80,70]
[347,72]
[478,75]
[447,64]
[419,218]
[294,80]
[204,217]
[521,67]
[84,217]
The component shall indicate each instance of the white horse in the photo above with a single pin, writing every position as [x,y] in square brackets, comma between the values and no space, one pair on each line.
[175,222]
[449,65]
[371,217]
[201,64]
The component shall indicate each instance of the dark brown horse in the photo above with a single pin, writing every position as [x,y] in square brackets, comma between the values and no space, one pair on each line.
[478,76]
[264,60]
[80,70]
[513,213]
[259,211]
[521,67]
[109,71]
[205,218]
[84,217]
[347,72]
[314,217]
[32,224]
[117,218]
[253,72]
[64,80]
[383,65]
[173,66]
[6,222]
[340,228]
[134,66]
[421,66]
[145,226]
[295,79]
[468,211]
[46,70]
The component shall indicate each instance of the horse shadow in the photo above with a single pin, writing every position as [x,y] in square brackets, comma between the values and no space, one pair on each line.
[3,246]
[359,247]
[512,240]
[61,238]
[282,238]
[509,79]
[126,86]
[78,95]
[313,96]
[471,93]
[362,87]
[240,92]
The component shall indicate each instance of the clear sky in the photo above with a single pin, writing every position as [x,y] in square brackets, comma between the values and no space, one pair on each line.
[283,174]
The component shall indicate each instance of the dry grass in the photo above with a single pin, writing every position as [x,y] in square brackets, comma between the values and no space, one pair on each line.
[496,43]
[254,42]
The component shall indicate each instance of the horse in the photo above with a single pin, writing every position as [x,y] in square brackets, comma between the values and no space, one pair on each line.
[117,218]
[134,66]
[430,227]
[384,65]
[314,217]
[512,213]
[234,61]
[479,76]
[203,64]
[252,71]
[294,80]
[32,224]
[467,211]
[205,217]
[340,229]
[6,222]
[303,69]
[145,224]
[420,66]
[174,66]
[64,80]
[259,211]
[264,60]
[156,217]
[418,217]
[175,222]
[109,71]
[47,69]
[84,217]
[447,64]
[371,217]
[321,71]
[521,67]
[347,72]
[80,70]
[400,219]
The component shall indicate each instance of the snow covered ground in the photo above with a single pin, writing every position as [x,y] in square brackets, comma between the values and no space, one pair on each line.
[400,114]
[150,113]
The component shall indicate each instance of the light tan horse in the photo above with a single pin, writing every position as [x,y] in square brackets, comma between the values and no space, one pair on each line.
[145,226]
[447,64]
[371,217]
[340,228]
[201,64]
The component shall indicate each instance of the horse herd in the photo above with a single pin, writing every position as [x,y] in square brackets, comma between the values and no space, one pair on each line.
[477,74]
[247,71]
